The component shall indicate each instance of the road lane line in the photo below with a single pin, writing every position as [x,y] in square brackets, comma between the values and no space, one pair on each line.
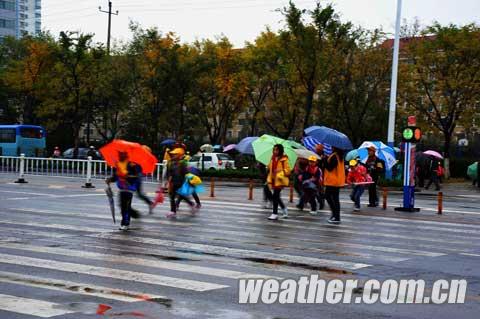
[109,273]
[33,307]
[216,272]
[76,287]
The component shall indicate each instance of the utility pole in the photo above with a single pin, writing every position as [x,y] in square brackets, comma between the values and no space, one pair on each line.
[109,22]
[393,87]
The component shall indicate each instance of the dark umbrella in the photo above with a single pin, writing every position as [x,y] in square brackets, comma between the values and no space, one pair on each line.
[168,142]
[330,136]
[245,145]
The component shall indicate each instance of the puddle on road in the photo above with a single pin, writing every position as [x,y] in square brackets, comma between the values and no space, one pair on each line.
[293,264]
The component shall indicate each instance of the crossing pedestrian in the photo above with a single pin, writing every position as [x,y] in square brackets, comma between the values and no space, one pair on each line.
[310,180]
[433,173]
[298,170]
[320,150]
[375,168]
[267,193]
[176,171]
[357,175]
[334,180]
[140,192]
[126,176]
[278,177]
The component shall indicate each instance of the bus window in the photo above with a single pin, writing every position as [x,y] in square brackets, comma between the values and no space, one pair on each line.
[8,135]
[31,132]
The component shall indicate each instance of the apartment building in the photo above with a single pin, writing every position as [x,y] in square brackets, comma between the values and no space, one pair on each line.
[19,17]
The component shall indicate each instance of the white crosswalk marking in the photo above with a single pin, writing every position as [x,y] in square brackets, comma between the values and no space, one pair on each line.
[78,253]
[33,307]
[110,273]
[76,287]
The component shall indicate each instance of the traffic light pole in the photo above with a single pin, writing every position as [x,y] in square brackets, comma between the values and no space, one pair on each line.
[409,180]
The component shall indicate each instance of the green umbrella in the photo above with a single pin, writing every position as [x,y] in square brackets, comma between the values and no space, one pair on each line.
[296,145]
[473,170]
[263,148]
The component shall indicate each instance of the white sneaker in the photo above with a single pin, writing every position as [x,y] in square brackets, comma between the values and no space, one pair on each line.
[356,209]
[171,215]
[313,212]
[285,213]
[123,227]
[273,217]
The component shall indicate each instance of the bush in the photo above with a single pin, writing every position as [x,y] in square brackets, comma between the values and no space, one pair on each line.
[459,166]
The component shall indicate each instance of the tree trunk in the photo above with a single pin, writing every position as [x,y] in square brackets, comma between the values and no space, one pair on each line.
[446,150]
[308,107]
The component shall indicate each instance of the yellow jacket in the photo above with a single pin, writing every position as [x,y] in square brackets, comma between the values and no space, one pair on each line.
[281,176]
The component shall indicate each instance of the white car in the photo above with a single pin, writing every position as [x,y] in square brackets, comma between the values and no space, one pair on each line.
[212,161]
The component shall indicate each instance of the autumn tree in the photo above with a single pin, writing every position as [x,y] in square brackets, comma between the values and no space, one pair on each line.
[309,48]
[355,95]
[441,82]
[220,92]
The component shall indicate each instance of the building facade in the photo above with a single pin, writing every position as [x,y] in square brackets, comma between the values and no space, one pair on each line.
[19,17]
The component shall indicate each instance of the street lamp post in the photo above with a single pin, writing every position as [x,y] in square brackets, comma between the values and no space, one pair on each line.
[393,88]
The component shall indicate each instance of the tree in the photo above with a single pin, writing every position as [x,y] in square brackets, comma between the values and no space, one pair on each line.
[442,82]
[309,48]
[221,88]
[67,100]
[357,88]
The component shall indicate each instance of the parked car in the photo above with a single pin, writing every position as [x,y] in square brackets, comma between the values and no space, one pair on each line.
[213,161]
[82,154]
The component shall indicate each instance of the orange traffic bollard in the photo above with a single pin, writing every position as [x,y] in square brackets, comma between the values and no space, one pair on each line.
[440,203]
[212,187]
[385,194]
[291,193]
[250,189]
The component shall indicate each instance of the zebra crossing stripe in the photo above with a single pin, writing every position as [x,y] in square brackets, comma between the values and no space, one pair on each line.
[33,307]
[241,253]
[135,261]
[109,273]
[76,287]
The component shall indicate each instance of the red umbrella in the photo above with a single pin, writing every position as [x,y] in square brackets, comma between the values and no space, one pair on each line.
[136,153]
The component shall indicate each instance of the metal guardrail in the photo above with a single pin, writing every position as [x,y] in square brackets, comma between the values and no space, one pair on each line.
[60,167]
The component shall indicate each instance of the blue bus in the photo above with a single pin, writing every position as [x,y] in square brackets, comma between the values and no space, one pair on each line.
[17,139]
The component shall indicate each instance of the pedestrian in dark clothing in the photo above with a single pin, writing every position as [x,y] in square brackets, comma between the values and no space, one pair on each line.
[319,149]
[334,179]
[298,170]
[434,173]
[176,171]
[310,179]
[125,174]
[267,193]
[375,168]
[92,153]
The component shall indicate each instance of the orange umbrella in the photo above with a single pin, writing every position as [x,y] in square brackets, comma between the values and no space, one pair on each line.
[136,153]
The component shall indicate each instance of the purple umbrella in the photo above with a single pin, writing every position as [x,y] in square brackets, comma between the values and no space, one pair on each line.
[245,145]
[229,148]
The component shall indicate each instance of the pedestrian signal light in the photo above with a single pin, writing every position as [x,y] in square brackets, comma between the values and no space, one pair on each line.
[412,135]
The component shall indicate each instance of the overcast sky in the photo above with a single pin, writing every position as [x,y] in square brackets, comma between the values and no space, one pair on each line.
[239,20]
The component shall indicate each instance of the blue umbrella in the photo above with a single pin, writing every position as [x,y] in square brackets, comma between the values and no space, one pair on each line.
[383,152]
[245,145]
[353,154]
[167,142]
[310,142]
[330,136]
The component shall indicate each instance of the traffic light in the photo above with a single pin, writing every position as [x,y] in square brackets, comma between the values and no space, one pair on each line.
[411,134]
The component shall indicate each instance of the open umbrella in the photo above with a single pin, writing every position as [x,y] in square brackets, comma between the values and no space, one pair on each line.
[311,142]
[167,142]
[353,154]
[136,153]
[383,152]
[263,148]
[245,145]
[207,148]
[472,170]
[330,136]
[304,153]
[229,148]
[296,145]
[433,153]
